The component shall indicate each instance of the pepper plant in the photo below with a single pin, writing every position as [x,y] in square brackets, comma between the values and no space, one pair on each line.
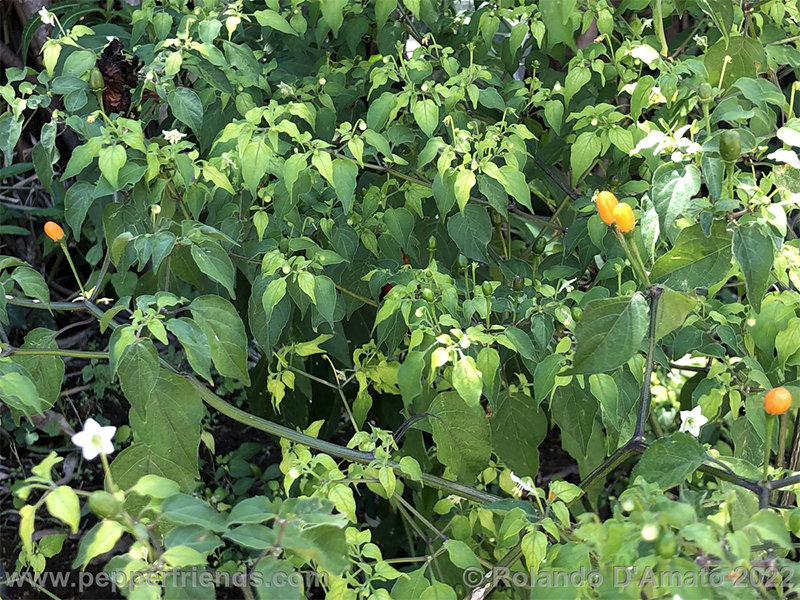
[432,251]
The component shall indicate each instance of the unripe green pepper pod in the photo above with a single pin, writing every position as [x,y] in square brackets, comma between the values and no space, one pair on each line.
[705,92]
[96,82]
[730,146]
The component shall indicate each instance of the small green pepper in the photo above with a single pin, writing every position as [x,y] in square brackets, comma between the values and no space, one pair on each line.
[730,145]
[96,82]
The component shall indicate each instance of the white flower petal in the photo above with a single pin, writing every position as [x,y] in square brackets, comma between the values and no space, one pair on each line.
[94,439]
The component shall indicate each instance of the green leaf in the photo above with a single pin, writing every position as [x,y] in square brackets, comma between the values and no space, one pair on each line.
[789,134]
[32,284]
[273,20]
[63,504]
[46,371]
[383,8]
[557,16]
[673,308]
[269,570]
[674,185]
[465,180]
[516,185]
[251,510]
[213,261]
[77,201]
[544,376]
[194,343]
[110,160]
[462,435]
[10,130]
[400,223]
[226,335]
[183,556]
[344,177]
[380,110]
[273,293]
[696,260]
[518,427]
[670,460]
[155,487]
[255,158]
[554,114]
[609,333]
[138,372]
[770,527]
[409,376]
[187,108]
[252,535]
[426,114]
[325,292]
[576,414]
[98,540]
[461,555]
[754,253]
[20,393]
[291,170]
[747,59]
[583,151]
[576,79]
[471,230]
[188,510]
[721,12]
[305,282]
[467,380]
[333,13]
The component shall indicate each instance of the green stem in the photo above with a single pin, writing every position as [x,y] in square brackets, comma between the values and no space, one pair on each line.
[635,265]
[356,456]
[768,444]
[707,115]
[639,261]
[644,400]
[102,275]
[658,18]
[54,352]
[72,266]
[782,441]
[353,294]
[729,167]
[61,306]
[107,469]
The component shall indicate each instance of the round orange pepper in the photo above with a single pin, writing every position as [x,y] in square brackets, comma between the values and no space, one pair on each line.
[606,202]
[777,401]
[623,215]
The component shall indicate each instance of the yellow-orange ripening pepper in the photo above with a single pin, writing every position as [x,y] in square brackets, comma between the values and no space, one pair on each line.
[623,215]
[606,202]
[53,231]
[777,401]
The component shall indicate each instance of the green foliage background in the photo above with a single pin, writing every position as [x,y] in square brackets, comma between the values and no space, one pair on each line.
[334,220]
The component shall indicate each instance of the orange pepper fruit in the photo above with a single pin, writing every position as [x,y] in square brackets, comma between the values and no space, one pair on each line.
[777,401]
[623,215]
[53,231]
[606,202]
